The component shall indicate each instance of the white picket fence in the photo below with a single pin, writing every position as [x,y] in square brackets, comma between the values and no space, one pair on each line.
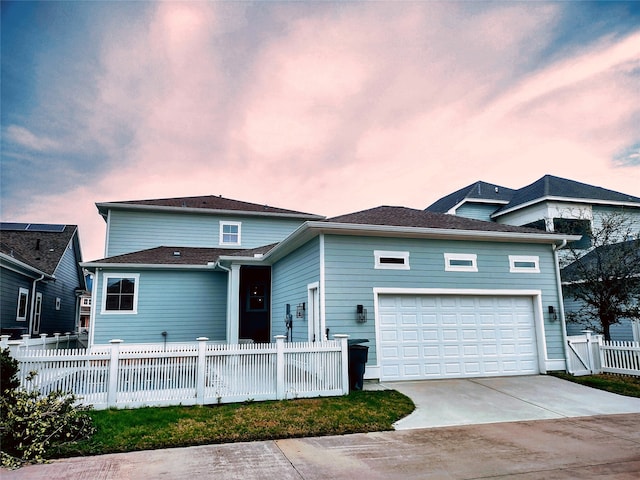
[588,354]
[130,376]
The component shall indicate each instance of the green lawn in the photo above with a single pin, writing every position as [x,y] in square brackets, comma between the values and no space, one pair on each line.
[620,384]
[152,428]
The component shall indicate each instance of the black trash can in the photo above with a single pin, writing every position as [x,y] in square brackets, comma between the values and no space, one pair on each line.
[358,356]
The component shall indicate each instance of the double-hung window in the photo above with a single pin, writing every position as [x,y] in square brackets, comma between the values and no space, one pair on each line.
[230,233]
[120,293]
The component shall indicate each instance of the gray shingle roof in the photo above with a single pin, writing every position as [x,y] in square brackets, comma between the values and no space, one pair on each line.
[551,186]
[184,256]
[409,217]
[476,191]
[38,249]
[211,202]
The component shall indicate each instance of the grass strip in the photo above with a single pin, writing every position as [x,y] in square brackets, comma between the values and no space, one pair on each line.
[621,384]
[166,427]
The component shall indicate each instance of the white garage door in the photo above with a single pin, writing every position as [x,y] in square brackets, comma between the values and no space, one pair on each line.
[450,336]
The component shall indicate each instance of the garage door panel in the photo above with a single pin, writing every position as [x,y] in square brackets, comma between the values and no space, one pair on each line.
[449,336]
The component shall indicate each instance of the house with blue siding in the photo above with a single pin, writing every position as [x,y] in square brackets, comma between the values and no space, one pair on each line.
[552,204]
[434,295]
[41,280]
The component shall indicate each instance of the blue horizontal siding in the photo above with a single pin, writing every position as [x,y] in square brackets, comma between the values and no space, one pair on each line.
[186,305]
[350,278]
[477,211]
[131,231]
[290,278]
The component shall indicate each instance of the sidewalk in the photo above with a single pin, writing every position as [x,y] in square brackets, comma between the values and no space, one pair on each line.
[606,446]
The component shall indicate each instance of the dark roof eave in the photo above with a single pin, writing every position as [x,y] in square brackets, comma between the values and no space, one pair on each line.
[26,268]
[92,266]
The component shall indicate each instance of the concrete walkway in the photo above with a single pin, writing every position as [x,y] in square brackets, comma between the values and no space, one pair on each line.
[516,427]
[441,403]
[585,447]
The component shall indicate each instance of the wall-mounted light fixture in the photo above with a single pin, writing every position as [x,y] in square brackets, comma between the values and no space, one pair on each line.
[361,314]
[552,313]
[300,309]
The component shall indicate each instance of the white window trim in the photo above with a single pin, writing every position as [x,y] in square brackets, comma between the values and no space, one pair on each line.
[379,254]
[524,258]
[472,257]
[25,292]
[237,224]
[105,282]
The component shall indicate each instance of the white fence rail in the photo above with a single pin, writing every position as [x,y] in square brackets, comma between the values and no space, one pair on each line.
[620,357]
[190,374]
[588,354]
[44,342]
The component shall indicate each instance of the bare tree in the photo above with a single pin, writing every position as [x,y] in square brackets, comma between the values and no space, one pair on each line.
[605,279]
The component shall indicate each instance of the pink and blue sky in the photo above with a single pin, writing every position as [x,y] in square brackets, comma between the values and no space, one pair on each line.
[323,107]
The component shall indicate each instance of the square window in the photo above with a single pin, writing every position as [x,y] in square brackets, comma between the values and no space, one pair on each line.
[524,264]
[230,233]
[120,293]
[391,260]
[460,262]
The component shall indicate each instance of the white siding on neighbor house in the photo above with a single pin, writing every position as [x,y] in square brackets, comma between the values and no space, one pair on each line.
[601,212]
[185,304]
[350,278]
[131,231]
[290,278]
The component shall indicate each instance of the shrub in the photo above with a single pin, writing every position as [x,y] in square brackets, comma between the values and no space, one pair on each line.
[32,424]
[8,372]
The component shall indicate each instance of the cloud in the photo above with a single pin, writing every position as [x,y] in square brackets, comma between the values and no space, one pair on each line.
[22,137]
[336,107]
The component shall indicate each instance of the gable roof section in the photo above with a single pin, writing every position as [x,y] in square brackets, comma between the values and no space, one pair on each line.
[41,249]
[478,192]
[409,217]
[550,187]
[204,204]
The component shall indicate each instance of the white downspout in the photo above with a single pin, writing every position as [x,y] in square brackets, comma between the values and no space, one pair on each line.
[563,323]
[233,319]
[33,302]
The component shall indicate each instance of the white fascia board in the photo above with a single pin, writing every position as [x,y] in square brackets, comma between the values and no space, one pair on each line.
[93,266]
[452,210]
[587,201]
[204,211]
[310,229]
[17,266]
[242,260]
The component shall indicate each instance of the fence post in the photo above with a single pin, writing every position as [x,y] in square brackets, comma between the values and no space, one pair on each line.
[43,337]
[25,339]
[201,369]
[57,335]
[114,362]
[4,340]
[280,366]
[587,334]
[600,353]
[344,349]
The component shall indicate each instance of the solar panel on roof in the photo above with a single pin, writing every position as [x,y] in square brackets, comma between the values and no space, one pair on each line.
[13,226]
[44,227]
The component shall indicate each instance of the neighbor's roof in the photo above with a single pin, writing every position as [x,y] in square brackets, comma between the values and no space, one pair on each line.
[623,257]
[562,188]
[176,256]
[39,246]
[478,191]
[409,217]
[209,203]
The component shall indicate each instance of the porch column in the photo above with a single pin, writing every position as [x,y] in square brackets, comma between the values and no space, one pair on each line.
[233,299]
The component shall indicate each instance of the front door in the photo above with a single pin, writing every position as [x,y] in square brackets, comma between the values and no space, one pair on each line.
[255,294]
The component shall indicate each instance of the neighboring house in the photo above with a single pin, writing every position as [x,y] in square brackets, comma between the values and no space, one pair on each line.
[436,296]
[41,278]
[622,259]
[552,204]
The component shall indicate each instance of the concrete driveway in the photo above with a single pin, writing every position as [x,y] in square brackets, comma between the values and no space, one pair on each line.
[443,403]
